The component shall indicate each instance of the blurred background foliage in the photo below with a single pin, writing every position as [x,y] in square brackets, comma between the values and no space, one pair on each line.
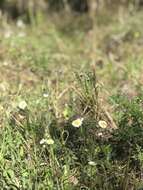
[24,8]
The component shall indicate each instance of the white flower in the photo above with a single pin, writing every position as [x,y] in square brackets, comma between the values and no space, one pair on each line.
[45,95]
[20,24]
[77,123]
[42,141]
[50,141]
[102,124]
[100,134]
[46,141]
[5,63]
[91,163]
[22,105]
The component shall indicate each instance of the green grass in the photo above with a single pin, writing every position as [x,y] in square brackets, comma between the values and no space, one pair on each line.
[48,68]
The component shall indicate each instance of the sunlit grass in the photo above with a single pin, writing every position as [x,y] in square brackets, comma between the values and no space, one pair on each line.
[66,123]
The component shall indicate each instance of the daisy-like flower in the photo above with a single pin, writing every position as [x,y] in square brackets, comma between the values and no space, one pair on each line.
[77,123]
[100,134]
[47,141]
[50,141]
[102,124]
[45,95]
[20,24]
[91,163]
[22,105]
[42,141]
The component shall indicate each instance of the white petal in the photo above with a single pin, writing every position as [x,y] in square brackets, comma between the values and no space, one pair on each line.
[102,124]
[22,105]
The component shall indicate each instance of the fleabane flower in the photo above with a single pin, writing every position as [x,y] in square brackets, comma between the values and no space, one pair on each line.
[42,141]
[77,123]
[22,105]
[100,134]
[47,141]
[91,163]
[20,24]
[50,141]
[102,124]
[45,95]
